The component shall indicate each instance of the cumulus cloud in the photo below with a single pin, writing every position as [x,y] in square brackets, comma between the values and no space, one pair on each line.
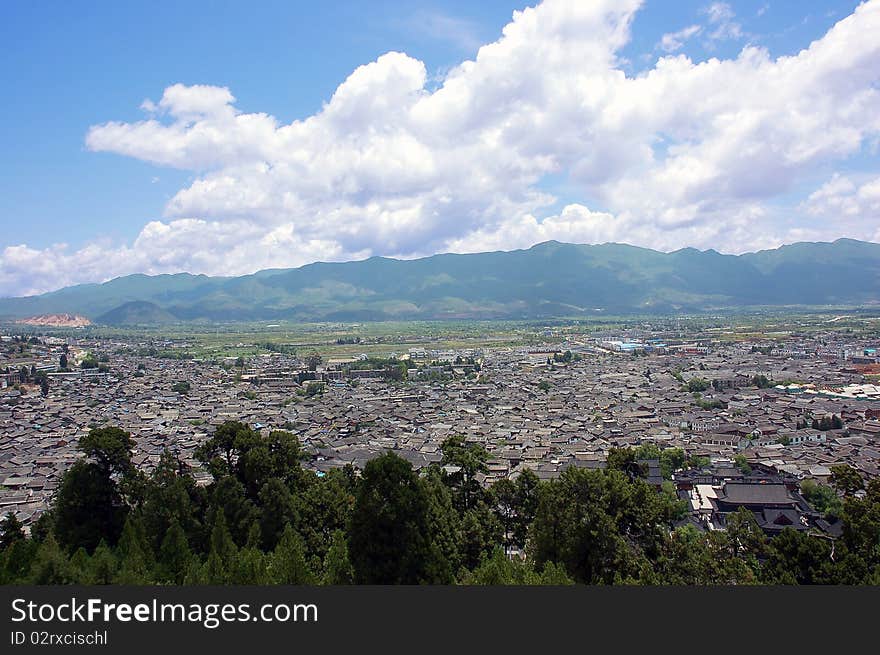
[687,153]
[846,202]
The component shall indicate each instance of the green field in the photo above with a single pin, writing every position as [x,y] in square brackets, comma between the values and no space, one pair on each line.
[383,339]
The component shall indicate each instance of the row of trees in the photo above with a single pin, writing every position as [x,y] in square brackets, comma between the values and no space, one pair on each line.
[265,519]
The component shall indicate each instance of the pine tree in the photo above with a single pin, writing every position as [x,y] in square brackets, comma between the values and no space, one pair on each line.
[288,561]
[136,557]
[174,555]
[276,511]
[80,567]
[217,567]
[214,571]
[50,566]
[337,566]
[255,536]
[389,536]
[249,567]
[16,561]
[103,565]
[11,531]
[221,540]
[194,572]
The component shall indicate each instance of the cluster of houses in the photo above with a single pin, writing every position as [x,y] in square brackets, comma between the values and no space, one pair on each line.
[531,408]
[716,492]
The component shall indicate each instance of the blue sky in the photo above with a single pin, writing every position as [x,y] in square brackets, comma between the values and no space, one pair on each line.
[76,64]
[90,209]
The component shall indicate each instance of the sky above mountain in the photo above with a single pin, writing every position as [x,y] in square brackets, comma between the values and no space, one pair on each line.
[227,137]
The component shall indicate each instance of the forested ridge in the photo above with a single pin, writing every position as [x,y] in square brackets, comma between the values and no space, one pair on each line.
[264,519]
[549,279]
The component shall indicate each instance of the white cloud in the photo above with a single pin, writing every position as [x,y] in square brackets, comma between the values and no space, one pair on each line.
[673,41]
[719,12]
[721,16]
[847,204]
[688,153]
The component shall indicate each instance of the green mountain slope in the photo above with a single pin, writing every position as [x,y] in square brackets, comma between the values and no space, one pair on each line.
[549,279]
[136,312]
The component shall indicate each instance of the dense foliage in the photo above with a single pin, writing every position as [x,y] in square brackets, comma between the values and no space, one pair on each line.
[264,519]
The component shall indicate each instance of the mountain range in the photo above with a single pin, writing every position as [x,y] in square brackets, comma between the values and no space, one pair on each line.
[550,279]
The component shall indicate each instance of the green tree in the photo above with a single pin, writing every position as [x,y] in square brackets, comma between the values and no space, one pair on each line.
[11,531]
[624,460]
[174,555]
[88,362]
[389,541]
[742,464]
[444,527]
[276,455]
[697,385]
[288,562]
[469,459]
[481,532]
[498,569]
[794,557]
[604,525]
[337,565]
[236,449]
[277,511]
[761,381]
[110,448]
[647,451]
[504,500]
[688,560]
[223,552]
[671,460]
[526,505]
[50,565]
[698,462]
[220,452]
[250,568]
[822,497]
[228,497]
[325,506]
[846,479]
[15,561]
[136,558]
[747,541]
[80,567]
[103,565]
[861,528]
[251,564]
[170,495]
[87,508]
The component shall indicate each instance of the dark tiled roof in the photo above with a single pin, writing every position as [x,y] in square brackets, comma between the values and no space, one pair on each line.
[755,494]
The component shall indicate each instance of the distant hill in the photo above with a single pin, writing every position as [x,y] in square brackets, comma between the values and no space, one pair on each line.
[137,312]
[56,320]
[547,280]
